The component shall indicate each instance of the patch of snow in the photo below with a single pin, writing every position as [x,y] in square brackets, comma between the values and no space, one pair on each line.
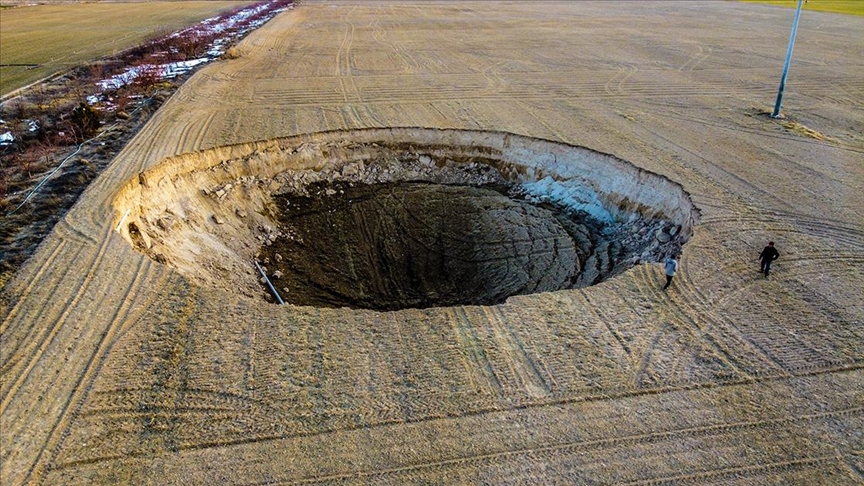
[6,138]
[571,194]
[174,69]
[119,80]
[207,27]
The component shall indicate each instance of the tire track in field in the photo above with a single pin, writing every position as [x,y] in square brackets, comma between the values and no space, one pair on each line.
[409,64]
[29,324]
[373,95]
[540,86]
[192,134]
[343,71]
[355,109]
[494,82]
[696,300]
[555,134]
[733,127]
[33,323]
[647,284]
[639,350]
[548,361]
[694,303]
[203,130]
[179,142]
[121,317]
[842,259]
[641,373]
[606,394]
[693,299]
[775,222]
[37,346]
[533,378]
[594,309]
[67,230]
[757,192]
[615,85]
[124,410]
[737,473]
[584,357]
[149,150]
[700,325]
[571,447]
[47,262]
[126,401]
[825,228]
[530,85]
[697,58]
[478,368]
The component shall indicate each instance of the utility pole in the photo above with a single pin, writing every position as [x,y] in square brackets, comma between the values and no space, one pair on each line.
[776,113]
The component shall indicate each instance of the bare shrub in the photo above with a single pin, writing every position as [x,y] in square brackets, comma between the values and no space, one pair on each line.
[5,203]
[190,43]
[121,100]
[148,75]
[27,162]
[231,53]
[82,88]
[85,121]
[52,202]
[15,109]
[96,71]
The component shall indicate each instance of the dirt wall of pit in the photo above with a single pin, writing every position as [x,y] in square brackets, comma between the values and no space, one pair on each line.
[208,213]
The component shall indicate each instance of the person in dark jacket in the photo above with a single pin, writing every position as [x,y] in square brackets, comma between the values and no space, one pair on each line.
[768,255]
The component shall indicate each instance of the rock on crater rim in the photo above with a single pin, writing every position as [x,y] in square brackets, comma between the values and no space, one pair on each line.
[211,214]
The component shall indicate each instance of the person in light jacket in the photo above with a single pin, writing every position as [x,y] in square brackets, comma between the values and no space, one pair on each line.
[671,268]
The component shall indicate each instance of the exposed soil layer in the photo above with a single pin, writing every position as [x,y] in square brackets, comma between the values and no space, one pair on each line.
[400,218]
[392,246]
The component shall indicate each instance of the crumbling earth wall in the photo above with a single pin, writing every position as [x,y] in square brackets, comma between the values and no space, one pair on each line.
[211,213]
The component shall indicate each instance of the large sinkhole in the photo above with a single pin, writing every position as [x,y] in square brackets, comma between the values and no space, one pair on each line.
[419,244]
[387,219]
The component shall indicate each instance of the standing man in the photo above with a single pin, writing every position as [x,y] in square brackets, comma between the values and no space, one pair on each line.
[768,255]
[671,268]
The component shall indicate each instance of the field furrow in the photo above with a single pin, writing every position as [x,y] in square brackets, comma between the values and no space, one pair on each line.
[121,369]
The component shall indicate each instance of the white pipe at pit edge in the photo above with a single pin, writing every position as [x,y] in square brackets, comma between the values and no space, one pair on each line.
[120,224]
[281,302]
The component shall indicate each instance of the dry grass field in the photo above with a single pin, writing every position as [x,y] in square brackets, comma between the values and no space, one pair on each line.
[117,369]
[854,7]
[40,40]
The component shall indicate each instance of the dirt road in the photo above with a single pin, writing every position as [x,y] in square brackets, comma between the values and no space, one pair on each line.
[116,369]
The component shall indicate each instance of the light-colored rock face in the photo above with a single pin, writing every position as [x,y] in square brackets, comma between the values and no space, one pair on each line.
[211,214]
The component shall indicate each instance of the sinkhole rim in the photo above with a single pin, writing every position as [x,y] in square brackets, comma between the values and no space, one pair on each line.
[190,211]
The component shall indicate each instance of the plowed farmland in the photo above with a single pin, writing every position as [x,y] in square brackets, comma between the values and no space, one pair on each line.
[122,362]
